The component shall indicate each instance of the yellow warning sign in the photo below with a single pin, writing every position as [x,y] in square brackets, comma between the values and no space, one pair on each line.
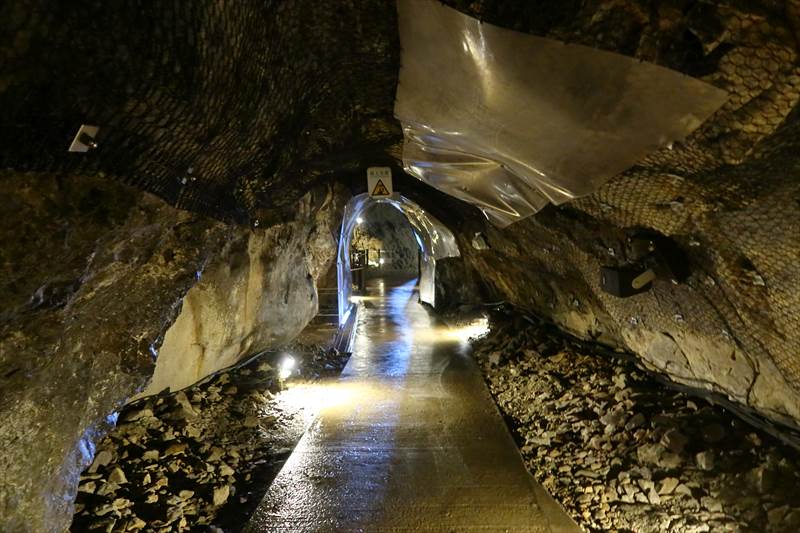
[379,182]
[380,190]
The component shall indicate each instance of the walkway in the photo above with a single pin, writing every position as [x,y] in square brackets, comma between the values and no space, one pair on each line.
[409,441]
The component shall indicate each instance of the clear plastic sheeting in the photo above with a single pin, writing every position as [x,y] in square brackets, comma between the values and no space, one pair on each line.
[435,240]
[511,122]
[438,241]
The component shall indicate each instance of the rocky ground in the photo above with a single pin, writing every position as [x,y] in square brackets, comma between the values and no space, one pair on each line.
[199,459]
[621,452]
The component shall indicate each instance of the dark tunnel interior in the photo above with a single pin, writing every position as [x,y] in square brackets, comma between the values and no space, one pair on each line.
[407,265]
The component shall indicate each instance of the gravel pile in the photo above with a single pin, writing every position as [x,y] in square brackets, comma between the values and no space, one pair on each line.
[199,459]
[621,452]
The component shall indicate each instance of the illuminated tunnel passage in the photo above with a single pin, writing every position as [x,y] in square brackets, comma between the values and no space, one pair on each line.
[435,241]
[408,439]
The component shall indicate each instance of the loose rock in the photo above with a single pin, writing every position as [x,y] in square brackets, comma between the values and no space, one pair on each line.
[621,452]
[199,459]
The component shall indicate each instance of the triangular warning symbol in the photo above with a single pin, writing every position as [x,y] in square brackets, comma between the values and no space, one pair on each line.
[380,190]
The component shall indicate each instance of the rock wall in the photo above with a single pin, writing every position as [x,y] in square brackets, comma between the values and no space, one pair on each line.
[93,276]
[455,284]
[223,108]
[258,291]
[621,452]
[551,265]
[728,195]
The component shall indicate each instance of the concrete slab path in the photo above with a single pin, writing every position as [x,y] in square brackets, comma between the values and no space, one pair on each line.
[408,440]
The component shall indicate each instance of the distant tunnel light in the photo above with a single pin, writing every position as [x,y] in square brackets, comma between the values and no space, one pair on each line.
[382,260]
[286,367]
[359,220]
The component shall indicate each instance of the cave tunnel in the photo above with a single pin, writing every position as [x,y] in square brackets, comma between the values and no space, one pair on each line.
[407,265]
[433,241]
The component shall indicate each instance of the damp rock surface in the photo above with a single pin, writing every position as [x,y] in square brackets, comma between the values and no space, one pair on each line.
[93,276]
[727,196]
[259,290]
[621,452]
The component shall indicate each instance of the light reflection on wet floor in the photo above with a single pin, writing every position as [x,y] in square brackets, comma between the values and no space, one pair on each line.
[408,439]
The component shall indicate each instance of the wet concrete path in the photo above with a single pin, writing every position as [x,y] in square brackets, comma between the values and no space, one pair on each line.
[408,439]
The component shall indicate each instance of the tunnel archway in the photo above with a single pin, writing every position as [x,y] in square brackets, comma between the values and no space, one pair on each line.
[435,240]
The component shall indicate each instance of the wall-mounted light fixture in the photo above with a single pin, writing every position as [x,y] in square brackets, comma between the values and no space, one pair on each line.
[479,242]
[655,257]
[286,367]
[626,281]
[85,139]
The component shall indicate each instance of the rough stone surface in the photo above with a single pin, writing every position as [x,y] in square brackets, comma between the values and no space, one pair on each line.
[94,274]
[685,465]
[234,108]
[312,93]
[456,284]
[207,466]
[729,195]
[221,108]
[689,332]
[259,290]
